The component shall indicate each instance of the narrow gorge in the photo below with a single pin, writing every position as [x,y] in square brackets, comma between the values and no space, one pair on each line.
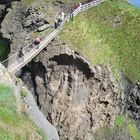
[75,97]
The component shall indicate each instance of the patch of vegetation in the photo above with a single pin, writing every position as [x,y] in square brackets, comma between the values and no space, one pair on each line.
[42,33]
[4,49]
[23,92]
[120,121]
[131,125]
[134,132]
[14,123]
[123,129]
[29,2]
[42,134]
[108,34]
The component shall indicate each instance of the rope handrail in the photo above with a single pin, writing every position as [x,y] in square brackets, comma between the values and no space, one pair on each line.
[15,54]
[30,51]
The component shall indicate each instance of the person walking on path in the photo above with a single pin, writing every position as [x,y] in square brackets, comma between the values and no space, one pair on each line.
[62,16]
[55,24]
[21,55]
[59,20]
[37,42]
[71,15]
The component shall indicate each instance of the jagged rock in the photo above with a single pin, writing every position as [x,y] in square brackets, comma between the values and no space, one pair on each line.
[5,1]
[2,10]
[34,19]
[27,23]
[131,99]
[19,21]
[42,28]
[11,27]
[75,97]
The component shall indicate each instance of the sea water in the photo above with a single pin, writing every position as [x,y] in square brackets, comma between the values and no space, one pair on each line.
[135,3]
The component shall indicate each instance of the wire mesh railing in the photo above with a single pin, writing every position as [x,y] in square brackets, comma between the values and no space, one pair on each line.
[15,63]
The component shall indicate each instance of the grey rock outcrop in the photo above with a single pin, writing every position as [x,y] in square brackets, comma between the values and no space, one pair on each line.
[34,19]
[11,27]
[76,98]
[131,99]
[19,21]
[2,10]
[6,1]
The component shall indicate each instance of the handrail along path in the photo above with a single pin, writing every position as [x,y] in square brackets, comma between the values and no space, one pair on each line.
[30,51]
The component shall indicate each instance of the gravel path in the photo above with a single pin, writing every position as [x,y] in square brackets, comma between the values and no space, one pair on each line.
[40,120]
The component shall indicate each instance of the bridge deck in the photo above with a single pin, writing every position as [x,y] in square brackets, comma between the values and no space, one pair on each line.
[14,64]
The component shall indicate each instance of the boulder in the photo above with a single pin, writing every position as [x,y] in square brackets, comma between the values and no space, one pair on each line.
[42,28]
[27,23]
[131,98]
[2,10]
[70,95]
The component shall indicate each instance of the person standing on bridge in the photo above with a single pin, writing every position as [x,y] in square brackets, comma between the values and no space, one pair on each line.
[71,15]
[59,20]
[37,42]
[56,24]
[62,16]
[21,55]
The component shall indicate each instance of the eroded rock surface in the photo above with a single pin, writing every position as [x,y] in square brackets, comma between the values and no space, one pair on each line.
[131,99]
[20,21]
[76,98]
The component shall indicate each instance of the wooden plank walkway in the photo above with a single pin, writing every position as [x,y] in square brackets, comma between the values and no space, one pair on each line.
[14,64]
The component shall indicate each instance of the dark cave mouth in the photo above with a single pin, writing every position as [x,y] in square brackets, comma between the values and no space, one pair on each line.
[4,48]
[64,59]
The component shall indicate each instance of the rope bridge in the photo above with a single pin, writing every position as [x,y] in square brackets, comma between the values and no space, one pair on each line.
[13,63]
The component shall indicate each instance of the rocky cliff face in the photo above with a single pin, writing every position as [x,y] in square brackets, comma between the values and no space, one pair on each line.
[19,21]
[76,98]
[131,99]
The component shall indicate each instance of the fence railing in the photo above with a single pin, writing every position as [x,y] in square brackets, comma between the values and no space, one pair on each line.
[14,63]
[87,6]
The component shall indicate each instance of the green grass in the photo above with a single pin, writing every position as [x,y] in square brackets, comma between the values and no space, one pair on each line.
[95,34]
[131,125]
[132,128]
[120,120]
[24,92]
[134,132]
[29,2]
[123,128]
[8,105]
[42,134]
[14,123]
[4,49]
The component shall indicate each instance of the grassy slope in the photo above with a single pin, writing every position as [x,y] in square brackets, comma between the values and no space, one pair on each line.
[14,121]
[94,35]
[123,129]
[29,2]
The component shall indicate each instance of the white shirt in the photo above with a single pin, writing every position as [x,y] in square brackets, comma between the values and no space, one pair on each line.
[62,15]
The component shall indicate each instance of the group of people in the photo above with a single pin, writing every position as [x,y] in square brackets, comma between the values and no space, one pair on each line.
[57,23]
[59,20]
[21,55]
[22,52]
[75,6]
